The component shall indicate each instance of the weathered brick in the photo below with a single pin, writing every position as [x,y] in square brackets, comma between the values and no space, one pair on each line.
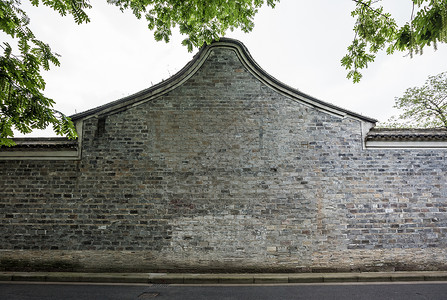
[225,172]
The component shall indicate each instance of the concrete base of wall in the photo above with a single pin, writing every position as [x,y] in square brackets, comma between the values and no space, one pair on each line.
[381,260]
[146,261]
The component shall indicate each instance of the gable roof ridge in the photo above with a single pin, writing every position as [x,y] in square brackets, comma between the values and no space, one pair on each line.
[192,66]
[253,66]
[151,90]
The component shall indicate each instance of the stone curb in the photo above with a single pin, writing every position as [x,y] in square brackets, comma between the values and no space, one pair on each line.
[181,278]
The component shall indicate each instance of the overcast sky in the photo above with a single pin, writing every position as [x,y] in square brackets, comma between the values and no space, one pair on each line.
[299,42]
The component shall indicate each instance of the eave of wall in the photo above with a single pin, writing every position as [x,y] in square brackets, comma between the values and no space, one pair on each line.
[390,138]
[42,148]
[405,145]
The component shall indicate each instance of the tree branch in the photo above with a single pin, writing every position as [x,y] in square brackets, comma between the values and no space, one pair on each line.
[438,111]
[371,9]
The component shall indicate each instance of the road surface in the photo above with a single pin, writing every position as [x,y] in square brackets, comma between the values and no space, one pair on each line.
[405,291]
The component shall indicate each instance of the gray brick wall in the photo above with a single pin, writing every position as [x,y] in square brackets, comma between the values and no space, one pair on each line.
[225,173]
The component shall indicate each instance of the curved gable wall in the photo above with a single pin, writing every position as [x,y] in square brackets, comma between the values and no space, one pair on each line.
[225,172]
[195,64]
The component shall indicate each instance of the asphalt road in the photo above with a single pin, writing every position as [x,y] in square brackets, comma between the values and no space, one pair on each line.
[25,291]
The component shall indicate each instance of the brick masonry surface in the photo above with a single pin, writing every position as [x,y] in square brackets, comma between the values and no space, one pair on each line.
[225,173]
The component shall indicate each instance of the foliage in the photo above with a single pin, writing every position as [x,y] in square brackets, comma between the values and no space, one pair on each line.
[376,30]
[22,104]
[24,107]
[424,106]
[202,21]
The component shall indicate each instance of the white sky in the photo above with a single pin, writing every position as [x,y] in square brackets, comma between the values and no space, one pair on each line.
[299,42]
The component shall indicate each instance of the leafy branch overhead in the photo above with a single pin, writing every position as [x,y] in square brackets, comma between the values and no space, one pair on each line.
[23,106]
[202,21]
[375,30]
